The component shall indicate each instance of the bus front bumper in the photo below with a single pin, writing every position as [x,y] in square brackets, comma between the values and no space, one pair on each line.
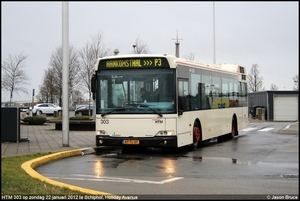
[165,141]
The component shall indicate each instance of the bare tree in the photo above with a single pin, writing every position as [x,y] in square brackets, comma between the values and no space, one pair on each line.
[14,76]
[48,92]
[88,56]
[190,56]
[255,81]
[296,82]
[140,47]
[56,65]
[77,96]
[274,87]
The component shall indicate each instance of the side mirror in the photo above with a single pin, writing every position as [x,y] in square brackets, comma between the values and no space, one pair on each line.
[94,86]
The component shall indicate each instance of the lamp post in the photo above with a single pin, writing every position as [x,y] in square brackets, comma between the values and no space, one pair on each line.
[214,34]
[116,52]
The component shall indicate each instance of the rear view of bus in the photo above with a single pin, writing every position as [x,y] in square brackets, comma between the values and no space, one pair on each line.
[147,101]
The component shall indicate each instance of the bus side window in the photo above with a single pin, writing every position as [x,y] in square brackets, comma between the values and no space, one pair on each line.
[207,106]
[182,103]
[184,99]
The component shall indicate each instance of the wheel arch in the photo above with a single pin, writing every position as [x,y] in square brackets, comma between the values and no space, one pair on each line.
[39,112]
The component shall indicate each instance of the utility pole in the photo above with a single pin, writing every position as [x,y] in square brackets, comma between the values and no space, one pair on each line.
[214,34]
[65,74]
[177,45]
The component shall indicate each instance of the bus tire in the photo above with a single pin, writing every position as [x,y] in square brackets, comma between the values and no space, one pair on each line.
[197,135]
[234,131]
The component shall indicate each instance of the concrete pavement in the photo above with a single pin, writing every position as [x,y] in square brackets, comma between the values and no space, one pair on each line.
[44,138]
[293,128]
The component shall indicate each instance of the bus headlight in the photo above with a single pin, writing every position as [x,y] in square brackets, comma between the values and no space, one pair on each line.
[165,133]
[101,132]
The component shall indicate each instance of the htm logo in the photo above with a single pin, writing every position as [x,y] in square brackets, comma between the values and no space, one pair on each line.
[159,121]
[7,197]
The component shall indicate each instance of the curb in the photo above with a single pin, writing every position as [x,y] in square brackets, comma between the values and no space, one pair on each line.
[29,167]
[282,131]
[290,129]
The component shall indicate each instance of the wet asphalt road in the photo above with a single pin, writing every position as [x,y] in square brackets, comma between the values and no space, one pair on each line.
[257,162]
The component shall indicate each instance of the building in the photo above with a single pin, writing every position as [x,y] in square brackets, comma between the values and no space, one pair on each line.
[275,105]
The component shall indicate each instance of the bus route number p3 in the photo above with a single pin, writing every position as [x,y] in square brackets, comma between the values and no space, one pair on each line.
[104,121]
[157,62]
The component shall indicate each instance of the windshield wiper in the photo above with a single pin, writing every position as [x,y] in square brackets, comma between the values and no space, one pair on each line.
[144,105]
[111,111]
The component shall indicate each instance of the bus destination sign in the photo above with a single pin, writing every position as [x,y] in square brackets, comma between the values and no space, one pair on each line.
[134,63]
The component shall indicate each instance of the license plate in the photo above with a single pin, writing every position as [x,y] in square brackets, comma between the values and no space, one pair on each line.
[131,142]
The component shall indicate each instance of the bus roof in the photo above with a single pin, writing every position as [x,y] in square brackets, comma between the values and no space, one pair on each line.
[233,68]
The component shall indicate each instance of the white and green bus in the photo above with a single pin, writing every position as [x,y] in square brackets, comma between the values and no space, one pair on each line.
[188,102]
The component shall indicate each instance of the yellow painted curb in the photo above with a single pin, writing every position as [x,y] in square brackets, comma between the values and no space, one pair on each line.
[30,165]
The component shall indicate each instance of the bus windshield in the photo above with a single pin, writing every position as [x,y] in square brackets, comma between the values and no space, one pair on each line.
[136,91]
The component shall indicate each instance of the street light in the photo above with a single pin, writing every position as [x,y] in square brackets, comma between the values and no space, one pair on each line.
[116,52]
[134,49]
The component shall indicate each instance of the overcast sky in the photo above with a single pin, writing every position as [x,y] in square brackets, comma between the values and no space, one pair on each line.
[246,33]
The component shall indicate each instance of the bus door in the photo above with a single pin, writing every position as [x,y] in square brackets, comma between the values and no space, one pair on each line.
[185,136]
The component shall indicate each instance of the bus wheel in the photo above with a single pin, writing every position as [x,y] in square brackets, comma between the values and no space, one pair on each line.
[196,135]
[233,128]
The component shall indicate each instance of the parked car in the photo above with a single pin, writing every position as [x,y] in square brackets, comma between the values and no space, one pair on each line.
[84,110]
[24,109]
[81,105]
[45,108]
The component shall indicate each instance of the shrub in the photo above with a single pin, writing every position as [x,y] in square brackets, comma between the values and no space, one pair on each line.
[73,118]
[35,120]
[80,118]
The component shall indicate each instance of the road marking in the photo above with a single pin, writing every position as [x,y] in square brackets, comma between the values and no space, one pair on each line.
[266,129]
[114,179]
[247,129]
